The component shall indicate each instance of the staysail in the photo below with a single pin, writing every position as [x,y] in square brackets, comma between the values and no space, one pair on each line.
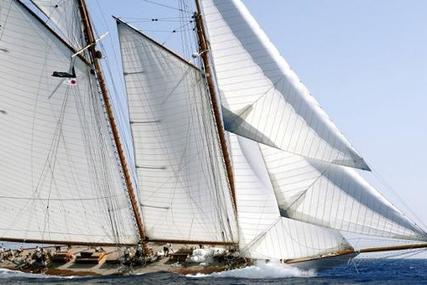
[181,175]
[59,177]
[263,97]
[263,233]
[65,15]
[333,196]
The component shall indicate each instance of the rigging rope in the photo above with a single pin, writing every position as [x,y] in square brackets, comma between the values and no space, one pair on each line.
[417,221]
[3,24]
[166,6]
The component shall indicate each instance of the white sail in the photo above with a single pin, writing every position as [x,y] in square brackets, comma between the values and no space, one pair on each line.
[263,233]
[333,196]
[65,16]
[59,176]
[180,170]
[291,239]
[264,99]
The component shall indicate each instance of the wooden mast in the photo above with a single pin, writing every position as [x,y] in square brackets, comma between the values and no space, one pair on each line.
[90,37]
[204,53]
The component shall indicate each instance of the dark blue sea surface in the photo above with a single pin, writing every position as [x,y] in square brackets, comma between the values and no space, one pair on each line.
[361,271]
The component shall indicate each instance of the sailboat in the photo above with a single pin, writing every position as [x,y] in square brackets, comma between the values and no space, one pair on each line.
[230,152]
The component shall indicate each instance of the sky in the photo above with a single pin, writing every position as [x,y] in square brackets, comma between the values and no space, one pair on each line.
[364,61]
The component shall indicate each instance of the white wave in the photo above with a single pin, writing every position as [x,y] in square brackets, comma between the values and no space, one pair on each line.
[7,274]
[262,270]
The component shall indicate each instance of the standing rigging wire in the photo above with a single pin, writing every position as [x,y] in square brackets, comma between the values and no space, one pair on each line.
[180,29]
[57,136]
[414,219]
[151,20]
[189,45]
[3,24]
[122,151]
[167,6]
[117,96]
[184,39]
[93,143]
[120,105]
[98,150]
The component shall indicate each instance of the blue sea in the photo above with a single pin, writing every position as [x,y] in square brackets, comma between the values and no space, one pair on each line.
[360,271]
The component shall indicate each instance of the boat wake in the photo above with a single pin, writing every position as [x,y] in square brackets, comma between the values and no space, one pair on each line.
[261,270]
[13,274]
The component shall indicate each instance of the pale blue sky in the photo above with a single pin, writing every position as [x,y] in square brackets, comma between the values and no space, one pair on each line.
[365,62]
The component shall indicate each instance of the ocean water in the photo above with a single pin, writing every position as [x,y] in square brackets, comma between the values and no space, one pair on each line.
[361,271]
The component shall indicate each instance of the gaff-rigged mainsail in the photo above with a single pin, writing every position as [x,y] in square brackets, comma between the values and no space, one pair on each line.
[265,100]
[59,177]
[184,191]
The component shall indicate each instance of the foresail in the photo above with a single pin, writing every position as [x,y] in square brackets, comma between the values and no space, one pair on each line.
[263,233]
[291,239]
[59,177]
[65,15]
[333,196]
[256,204]
[263,98]
[181,174]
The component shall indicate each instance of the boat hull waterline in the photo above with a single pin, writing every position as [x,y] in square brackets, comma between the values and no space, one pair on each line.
[109,261]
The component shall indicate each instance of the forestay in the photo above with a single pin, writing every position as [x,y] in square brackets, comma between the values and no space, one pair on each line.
[180,170]
[264,98]
[65,16]
[333,196]
[263,233]
[59,177]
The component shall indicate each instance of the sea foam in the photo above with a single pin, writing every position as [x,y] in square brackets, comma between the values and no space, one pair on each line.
[11,274]
[261,270]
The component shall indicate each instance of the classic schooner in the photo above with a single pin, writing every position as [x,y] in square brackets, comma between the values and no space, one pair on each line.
[231,151]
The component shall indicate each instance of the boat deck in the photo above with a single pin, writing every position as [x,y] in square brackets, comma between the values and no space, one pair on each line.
[86,261]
